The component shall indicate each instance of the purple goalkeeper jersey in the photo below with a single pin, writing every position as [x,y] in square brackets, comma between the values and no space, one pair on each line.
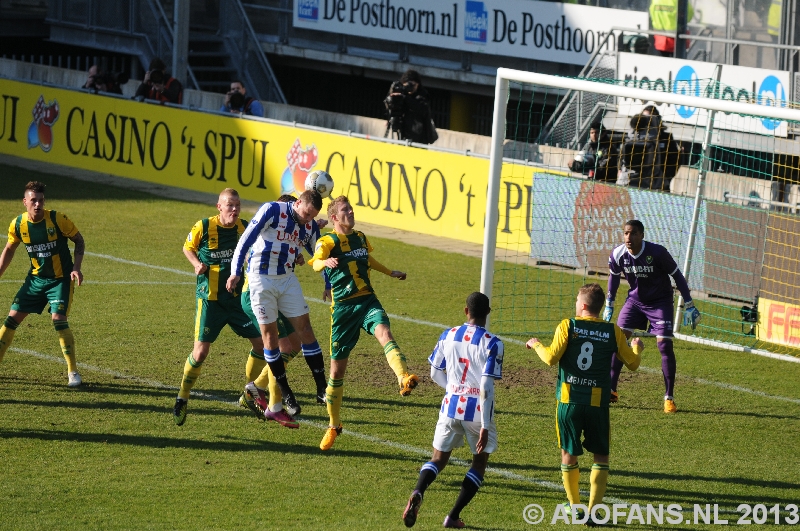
[647,273]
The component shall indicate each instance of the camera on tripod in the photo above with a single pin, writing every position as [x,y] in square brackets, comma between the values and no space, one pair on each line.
[396,106]
[750,315]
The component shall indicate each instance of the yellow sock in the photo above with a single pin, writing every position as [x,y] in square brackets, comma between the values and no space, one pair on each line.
[570,475]
[598,480]
[255,364]
[191,372]
[275,395]
[396,360]
[7,335]
[267,381]
[67,342]
[333,396]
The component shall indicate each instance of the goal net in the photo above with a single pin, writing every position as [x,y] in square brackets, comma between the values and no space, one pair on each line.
[711,171]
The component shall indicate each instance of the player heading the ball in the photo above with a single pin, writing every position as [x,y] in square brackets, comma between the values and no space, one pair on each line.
[273,240]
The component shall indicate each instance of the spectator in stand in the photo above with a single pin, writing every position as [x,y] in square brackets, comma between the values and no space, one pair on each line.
[100,81]
[669,149]
[593,159]
[157,85]
[237,101]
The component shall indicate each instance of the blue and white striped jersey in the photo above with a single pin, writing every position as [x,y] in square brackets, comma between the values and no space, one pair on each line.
[466,353]
[274,239]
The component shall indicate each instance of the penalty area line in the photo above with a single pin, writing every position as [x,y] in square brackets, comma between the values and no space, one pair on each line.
[369,438]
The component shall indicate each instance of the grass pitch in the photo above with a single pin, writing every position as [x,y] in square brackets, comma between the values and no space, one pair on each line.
[108,456]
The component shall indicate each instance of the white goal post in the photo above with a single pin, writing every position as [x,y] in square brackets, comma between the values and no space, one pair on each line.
[502,92]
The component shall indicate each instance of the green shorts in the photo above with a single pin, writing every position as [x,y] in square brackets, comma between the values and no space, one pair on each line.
[593,422]
[347,320]
[285,328]
[212,316]
[36,293]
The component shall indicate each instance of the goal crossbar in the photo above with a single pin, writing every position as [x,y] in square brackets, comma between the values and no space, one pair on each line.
[502,87]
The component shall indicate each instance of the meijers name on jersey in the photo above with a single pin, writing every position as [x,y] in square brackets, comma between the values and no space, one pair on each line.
[598,334]
[575,380]
[41,247]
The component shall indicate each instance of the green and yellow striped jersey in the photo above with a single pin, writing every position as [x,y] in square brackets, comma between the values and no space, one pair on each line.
[582,347]
[214,244]
[351,277]
[46,243]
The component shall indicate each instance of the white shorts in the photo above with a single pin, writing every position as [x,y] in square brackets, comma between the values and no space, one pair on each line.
[450,435]
[272,293]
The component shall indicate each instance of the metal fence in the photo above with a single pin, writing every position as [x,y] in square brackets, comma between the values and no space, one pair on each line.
[246,52]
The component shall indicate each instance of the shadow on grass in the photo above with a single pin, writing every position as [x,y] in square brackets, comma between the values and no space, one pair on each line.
[791,490]
[684,411]
[229,444]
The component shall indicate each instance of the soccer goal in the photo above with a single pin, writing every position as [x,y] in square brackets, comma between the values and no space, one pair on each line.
[710,169]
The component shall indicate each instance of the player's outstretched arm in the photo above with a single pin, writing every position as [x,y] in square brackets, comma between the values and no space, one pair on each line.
[377,266]
[80,250]
[631,355]
[551,355]
[7,256]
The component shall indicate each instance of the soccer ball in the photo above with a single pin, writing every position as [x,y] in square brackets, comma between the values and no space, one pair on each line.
[321,181]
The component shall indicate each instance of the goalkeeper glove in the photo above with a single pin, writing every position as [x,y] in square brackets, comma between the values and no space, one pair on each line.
[608,311]
[691,316]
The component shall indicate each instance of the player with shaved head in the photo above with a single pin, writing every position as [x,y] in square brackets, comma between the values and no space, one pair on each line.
[209,248]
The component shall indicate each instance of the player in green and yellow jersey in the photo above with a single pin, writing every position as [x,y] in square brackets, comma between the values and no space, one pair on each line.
[53,273]
[583,347]
[345,255]
[209,248]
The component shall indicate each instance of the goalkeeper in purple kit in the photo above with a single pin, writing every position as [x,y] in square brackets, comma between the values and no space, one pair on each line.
[647,267]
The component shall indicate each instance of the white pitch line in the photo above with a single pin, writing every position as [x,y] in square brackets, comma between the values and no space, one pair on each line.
[443,327]
[141,264]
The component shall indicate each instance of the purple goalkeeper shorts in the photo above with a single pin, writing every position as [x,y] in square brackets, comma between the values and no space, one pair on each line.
[636,315]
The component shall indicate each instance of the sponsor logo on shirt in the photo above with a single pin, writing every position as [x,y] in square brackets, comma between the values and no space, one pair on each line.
[599,334]
[357,253]
[226,253]
[636,270]
[40,247]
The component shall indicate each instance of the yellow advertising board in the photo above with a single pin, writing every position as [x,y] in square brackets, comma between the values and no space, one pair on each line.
[778,322]
[429,192]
